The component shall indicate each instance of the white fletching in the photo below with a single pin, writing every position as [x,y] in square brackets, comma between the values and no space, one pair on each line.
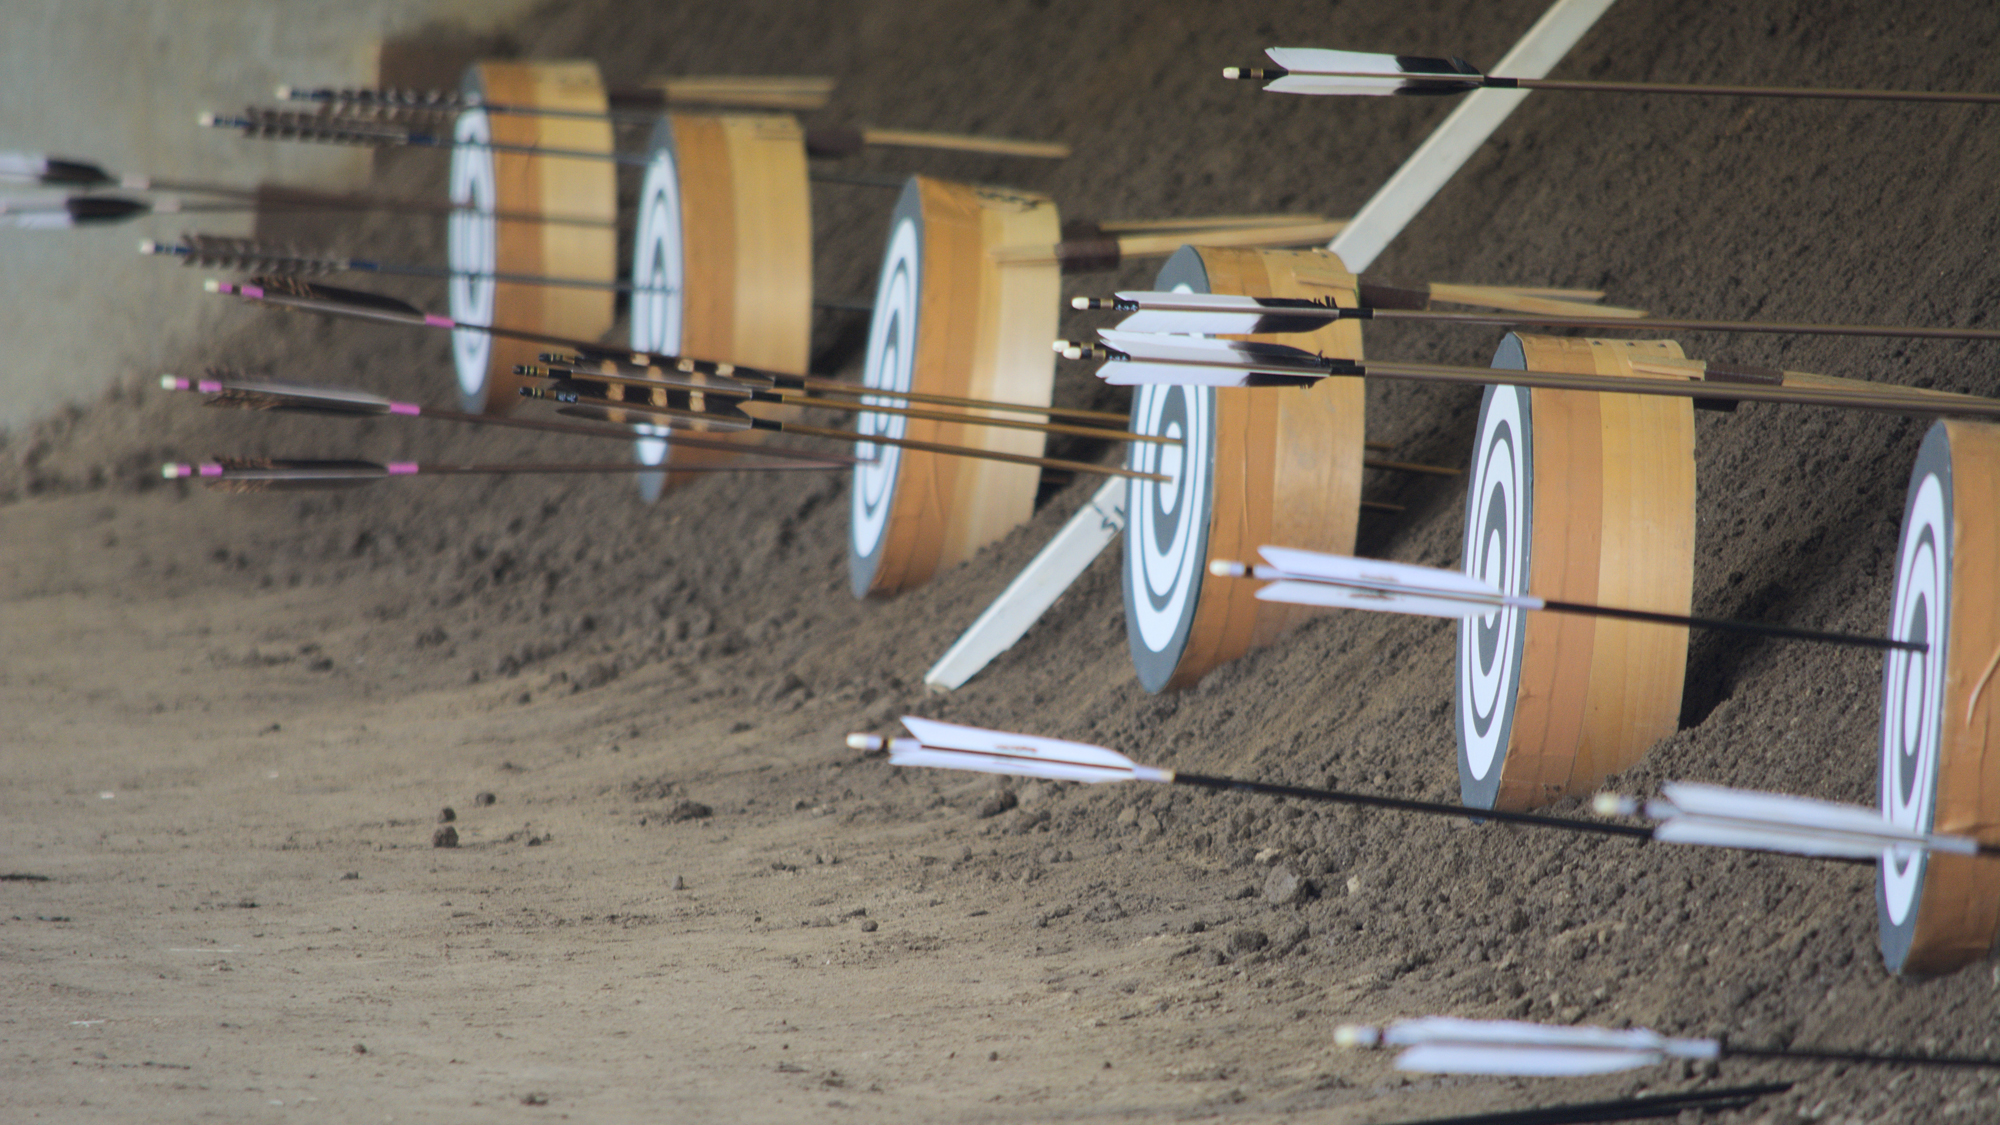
[1173,375]
[1211,314]
[952,746]
[1346,582]
[1446,1045]
[1693,813]
[1306,63]
[23,167]
[1183,349]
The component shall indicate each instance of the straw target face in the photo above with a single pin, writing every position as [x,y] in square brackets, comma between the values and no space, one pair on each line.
[658,269]
[472,249]
[890,365]
[1498,520]
[1913,689]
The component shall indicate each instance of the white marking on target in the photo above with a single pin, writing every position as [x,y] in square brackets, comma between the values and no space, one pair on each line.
[472,238]
[890,365]
[1913,690]
[1166,520]
[1496,550]
[659,267]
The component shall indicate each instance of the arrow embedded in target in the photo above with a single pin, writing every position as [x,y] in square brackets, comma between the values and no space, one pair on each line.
[1345,582]
[1143,358]
[1690,812]
[266,474]
[1230,314]
[1449,1045]
[1314,70]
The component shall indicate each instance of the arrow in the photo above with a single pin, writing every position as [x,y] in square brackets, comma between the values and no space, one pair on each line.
[1761,821]
[1312,70]
[355,304]
[396,106]
[1344,582]
[264,474]
[1219,314]
[304,398]
[251,256]
[71,211]
[715,412]
[800,92]
[571,376]
[1142,358]
[1105,248]
[54,171]
[1448,1045]
[1692,813]
[320,128]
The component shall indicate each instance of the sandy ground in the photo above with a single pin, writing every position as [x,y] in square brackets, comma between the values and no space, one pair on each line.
[231,722]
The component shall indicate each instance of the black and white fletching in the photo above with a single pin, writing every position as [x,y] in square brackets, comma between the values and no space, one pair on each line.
[50,171]
[1693,813]
[1316,70]
[1197,361]
[1221,314]
[951,746]
[1448,1045]
[1345,582]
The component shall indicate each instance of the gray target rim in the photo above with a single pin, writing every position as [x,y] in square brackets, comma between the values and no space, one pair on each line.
[472,243]
[1913,689]
[659,270]
[1499,525]
[890,365]
[1167,524]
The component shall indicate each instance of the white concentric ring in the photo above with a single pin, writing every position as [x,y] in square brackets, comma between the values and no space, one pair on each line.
[1166,533]
[1913,686]
[659,267]
[472,241]
[890,365]
[1499,525]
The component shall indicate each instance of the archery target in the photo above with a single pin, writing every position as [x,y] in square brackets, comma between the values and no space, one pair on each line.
[472,241]
[890,365]
[1166,528]
[658,270]
[1498,521]
[1913,689]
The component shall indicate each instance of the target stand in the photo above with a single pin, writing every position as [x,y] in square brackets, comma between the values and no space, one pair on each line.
[721,259]
[1940,719]
[950,319]
[1581,497]
[1254,466]
[479,245]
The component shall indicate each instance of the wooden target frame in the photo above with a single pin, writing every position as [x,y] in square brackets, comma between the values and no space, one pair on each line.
[1582,497]
[721,258]
[1940,720]
[485,180]
[1256,466]
[950,319]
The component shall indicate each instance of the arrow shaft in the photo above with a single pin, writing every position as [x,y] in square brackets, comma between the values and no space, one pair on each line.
[1401,804]
[1441,83]
[1754,627]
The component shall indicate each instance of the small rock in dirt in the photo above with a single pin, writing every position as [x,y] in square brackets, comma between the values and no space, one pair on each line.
[361,1048]
[446,837]
[447,814]
[1248,941]
[679,884]
[351,875]
[1266,857]
[484,799]
[1354,884]
[535,1098]
[741,725]
[998,803]
[688,810]
[869,927]
[1283,887]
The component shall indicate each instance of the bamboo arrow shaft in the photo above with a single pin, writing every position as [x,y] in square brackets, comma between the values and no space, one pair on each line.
[1828,93]
[1401,804]
[1755,627]
[744,421]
